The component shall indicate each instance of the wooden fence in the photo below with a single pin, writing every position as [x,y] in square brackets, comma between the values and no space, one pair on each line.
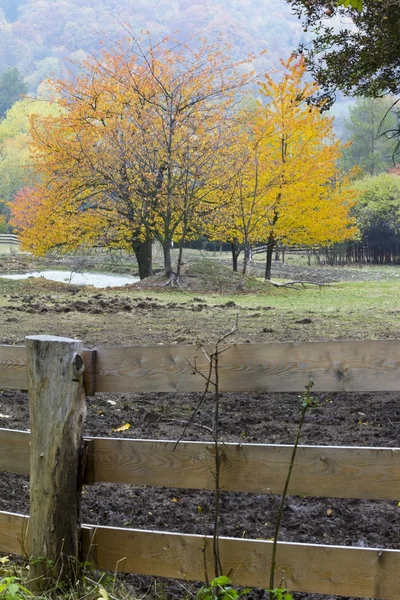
[344,472]
[8,243]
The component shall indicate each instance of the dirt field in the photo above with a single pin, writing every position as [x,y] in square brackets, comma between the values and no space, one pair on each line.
[156,316]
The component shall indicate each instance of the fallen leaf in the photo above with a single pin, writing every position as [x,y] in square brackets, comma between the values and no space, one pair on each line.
[103,594]
[329,512]
[174,500]
[4,560]
[123,427]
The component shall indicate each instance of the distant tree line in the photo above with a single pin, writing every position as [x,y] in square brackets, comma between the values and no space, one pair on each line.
[377,214]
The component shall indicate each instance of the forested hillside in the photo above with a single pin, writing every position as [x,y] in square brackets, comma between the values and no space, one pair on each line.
[39,36]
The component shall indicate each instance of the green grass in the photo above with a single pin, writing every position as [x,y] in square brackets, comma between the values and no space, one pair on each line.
[95,585]
[349,310]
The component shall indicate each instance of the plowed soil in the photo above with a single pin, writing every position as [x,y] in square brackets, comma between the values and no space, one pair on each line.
[340,419]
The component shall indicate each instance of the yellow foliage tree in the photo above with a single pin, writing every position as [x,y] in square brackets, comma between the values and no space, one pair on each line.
[14,147]
[244,199]
[310,202]
[130,156]
[286,188]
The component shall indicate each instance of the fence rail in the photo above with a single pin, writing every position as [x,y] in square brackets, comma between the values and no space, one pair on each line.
[364,366]
[330,471]
[344,472]
[8,237]
[315,568]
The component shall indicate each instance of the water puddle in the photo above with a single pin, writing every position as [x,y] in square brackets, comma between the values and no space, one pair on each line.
[98,280]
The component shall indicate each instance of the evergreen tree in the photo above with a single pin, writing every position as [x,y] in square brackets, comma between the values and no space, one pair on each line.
[12,86]
[369,128]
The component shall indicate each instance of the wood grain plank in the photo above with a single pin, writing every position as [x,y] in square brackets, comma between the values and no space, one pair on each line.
[15,448]
[320,569]
[348,571]
[276,367]
[286,367]
[89,375]
[57,411]
[14,533]
[343,472]
[13,371]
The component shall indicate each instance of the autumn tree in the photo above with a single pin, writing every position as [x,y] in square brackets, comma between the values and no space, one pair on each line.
[15,158]
[244,199]
[131,154]
[309,203]
[287,188]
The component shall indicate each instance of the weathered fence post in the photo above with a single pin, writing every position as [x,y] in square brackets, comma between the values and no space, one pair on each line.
[57,408]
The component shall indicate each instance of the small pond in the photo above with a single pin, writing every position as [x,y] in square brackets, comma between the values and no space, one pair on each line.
[98,280]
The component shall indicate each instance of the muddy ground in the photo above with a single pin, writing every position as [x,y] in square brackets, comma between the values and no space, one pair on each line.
[341,419]
[132,317]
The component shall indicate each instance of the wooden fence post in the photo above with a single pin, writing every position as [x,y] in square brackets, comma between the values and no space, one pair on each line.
[57,408]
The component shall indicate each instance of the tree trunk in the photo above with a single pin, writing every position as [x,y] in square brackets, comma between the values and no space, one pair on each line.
[270,252]
[246,258]
[57,410]
[167,257]
[180,260]
[144,257]
[235,255]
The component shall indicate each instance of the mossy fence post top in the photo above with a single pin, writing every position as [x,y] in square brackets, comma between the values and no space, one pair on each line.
[57,407]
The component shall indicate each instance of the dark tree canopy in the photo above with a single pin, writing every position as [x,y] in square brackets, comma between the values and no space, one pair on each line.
[354,51]
[12,86]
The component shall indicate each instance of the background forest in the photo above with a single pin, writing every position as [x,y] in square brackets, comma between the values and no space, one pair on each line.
[39,36]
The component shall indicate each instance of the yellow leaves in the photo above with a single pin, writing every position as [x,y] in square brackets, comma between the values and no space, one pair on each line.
[284,178]
[123,427]
[135,156]
[308,206]
[133,153]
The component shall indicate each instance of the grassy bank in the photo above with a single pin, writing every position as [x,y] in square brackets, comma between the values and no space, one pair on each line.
[206,305]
